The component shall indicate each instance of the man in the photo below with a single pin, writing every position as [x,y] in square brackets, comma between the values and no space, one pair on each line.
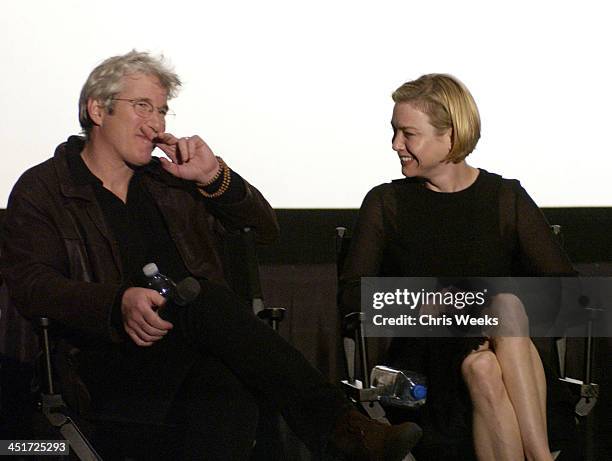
[79,229]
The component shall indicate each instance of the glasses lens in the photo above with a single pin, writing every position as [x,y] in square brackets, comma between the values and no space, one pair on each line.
[143,108]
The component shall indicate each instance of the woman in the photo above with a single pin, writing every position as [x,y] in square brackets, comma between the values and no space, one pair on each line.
[450,219]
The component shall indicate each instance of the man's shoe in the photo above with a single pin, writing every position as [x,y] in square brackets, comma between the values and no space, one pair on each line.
[359,438]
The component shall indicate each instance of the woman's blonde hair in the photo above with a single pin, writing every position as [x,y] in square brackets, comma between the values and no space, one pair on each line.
[449,105]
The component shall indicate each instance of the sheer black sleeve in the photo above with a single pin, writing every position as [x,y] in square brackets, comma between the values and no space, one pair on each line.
[539,251]
[365,254]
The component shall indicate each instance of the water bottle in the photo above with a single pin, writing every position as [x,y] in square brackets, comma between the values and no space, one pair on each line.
[157,281]
[417,385]
[399,388]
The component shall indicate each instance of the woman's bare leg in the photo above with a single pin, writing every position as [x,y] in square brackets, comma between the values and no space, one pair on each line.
[495,426]
[523,376]
[523,379]
[538,369]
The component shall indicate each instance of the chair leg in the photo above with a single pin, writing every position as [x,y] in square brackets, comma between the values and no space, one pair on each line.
[53,408]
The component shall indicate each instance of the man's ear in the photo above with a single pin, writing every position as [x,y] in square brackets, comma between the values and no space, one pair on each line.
[96,111]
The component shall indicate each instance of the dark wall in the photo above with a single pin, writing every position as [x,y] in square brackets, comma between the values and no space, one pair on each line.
[307,235]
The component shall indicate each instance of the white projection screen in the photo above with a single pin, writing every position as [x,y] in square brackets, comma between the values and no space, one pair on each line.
[295,95]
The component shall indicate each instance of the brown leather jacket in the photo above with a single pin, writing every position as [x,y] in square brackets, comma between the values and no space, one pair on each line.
[59,259]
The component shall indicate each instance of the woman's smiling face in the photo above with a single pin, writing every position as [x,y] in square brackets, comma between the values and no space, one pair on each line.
[421,149]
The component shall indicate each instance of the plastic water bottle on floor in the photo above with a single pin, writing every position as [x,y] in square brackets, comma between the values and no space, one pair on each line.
[399,388]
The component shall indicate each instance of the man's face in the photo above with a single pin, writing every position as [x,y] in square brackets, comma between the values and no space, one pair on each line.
[122,133]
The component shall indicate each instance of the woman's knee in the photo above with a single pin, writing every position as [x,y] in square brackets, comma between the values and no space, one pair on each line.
[482,375]
[510,311]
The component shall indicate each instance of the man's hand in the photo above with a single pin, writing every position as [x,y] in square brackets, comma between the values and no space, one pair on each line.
[191,158]
[140,319]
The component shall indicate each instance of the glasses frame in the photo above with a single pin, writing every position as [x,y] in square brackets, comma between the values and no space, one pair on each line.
[146,114]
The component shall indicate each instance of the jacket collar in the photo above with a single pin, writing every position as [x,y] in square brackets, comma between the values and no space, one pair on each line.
[75,182]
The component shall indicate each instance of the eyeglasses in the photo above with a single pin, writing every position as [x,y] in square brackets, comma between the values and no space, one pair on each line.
[145,109]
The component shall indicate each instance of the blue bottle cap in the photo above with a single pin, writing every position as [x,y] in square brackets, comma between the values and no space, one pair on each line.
[419,391]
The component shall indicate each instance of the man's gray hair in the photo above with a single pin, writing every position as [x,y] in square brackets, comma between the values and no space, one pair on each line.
[104,82]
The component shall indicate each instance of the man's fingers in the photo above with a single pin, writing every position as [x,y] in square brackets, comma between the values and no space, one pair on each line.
[182,153]
[152,330]
[155,323]
[168,144]
[155,298]
[193,144]
[139,342]
[198,140]
[168,166]
[172,152]
[166,138]
[179,150]
[141,321]
[150,317]
[140,332]
[145,337]
[168,150]
[144,330]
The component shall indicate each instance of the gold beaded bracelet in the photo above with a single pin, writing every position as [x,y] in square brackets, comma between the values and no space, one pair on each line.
[225,182]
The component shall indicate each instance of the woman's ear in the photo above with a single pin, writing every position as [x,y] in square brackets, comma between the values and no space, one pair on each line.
[448,139]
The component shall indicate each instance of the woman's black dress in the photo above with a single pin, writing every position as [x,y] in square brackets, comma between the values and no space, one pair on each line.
[492,228]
